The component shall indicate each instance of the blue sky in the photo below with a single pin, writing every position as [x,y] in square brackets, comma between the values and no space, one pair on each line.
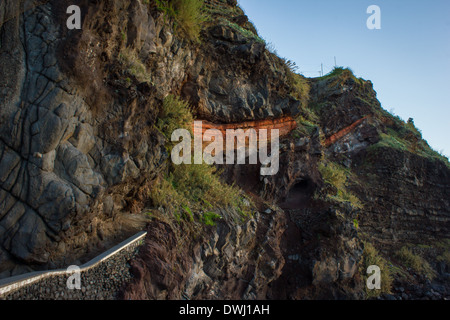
[408,60]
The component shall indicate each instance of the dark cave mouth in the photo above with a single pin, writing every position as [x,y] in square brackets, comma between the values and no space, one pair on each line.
[299,195]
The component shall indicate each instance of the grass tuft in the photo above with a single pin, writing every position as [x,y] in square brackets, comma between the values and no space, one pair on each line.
[133,65]
[175,114]
[371,257]
[415,262]
[337,176]
[188,15]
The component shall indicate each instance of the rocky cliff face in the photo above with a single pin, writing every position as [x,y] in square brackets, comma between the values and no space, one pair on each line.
[80,150]
[67,148]
[405,193]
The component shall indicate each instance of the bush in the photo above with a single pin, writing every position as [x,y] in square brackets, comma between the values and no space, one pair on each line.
[188,16]
[336,176]
[175,114]
[415,262]
[133,65]
[371,257]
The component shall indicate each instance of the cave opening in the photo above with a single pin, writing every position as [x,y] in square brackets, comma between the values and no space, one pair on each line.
[299,195]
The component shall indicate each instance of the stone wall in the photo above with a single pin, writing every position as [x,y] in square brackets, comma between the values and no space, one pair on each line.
[101,279]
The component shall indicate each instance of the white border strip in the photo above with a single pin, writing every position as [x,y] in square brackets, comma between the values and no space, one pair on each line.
[13,283]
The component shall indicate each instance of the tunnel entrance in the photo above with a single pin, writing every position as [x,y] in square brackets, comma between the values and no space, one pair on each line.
[299,195]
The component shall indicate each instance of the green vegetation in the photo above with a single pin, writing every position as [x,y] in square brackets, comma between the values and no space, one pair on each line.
[175,114]
[244,32]
[304,127]
[301,88]
[341,75]
[390,141]
[299,84]
[195,186]
[188,16]
[371,257]
[338,71]
[191,192]
[405,136]
[209,218]
[337,176]
[224,14]
[307,121]
[416,262]
[133,65]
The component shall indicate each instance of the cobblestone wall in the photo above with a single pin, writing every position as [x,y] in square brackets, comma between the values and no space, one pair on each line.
[102,281]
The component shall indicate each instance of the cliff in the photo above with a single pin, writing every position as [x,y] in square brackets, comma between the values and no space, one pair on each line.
[86,117]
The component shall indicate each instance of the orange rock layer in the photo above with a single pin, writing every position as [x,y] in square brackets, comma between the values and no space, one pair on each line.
[284,125]
[342,133]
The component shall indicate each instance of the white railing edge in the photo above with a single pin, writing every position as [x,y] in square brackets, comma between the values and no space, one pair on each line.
[16,282]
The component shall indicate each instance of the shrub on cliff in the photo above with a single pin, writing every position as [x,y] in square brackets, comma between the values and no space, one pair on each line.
[175,114]
[415,262]
[337,176]
[197,187]
[194,192]
[188,16]
[133,65]
[371,257]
